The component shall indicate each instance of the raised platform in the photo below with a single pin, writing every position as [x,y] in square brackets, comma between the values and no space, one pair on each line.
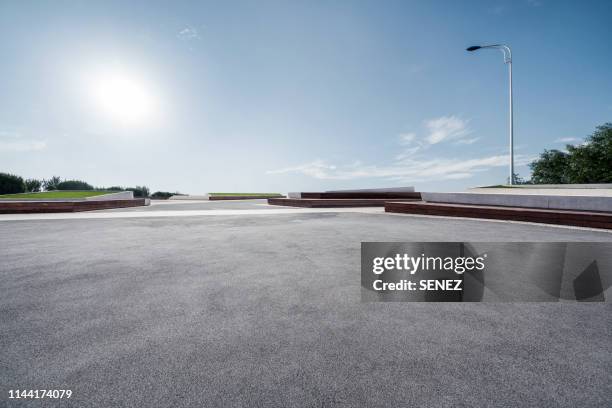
[374,190]
[571,202]
[590,219]
[327,203]
[22,207]
[244,197]
[331,199]
[383,195]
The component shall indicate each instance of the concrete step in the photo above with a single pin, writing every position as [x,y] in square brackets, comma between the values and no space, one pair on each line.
[590,219]
[243,197]
[328,203]
[388,195]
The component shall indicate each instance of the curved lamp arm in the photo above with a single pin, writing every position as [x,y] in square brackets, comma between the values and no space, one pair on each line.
[502,47]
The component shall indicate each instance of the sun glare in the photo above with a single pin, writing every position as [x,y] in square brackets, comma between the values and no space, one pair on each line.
[126,99]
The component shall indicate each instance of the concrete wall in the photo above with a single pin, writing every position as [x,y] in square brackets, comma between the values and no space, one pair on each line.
[298,195]
[121,195]
[189,197]
[565,186]
[581,203]
[376,190]
[593,192]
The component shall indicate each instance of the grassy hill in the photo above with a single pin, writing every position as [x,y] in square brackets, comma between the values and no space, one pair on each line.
[54,194]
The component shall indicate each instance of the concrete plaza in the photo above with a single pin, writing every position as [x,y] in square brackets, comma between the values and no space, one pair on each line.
[242,304]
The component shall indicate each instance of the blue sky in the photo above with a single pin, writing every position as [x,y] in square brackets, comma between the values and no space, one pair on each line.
[295,95]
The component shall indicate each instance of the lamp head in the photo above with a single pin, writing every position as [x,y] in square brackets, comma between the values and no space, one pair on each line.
[473,48]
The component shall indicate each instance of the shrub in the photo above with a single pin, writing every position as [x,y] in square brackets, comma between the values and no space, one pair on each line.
[74,185]
[11,184]
[52,183]
[139,191]
[162,195]
[33,185]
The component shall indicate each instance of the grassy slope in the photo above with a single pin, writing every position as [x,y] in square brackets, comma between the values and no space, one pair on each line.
[243,194]
[54,194]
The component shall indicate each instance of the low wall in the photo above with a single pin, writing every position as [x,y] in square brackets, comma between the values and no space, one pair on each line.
[560,186]
[591,192]
[578,203]
[391,192]
[189,197]
[389,195]
[376,190]
[243,197]
[22,207]
[121,195]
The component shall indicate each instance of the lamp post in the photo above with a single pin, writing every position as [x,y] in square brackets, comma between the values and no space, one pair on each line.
[508,60]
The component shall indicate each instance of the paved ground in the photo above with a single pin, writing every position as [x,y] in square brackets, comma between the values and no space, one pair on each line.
[264,310]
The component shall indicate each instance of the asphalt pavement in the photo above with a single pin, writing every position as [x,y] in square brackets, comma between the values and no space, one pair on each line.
[265,310]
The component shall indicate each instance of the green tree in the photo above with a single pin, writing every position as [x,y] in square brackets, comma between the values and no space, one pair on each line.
[11,184]
[550,168]
[33,185]
[73,185]
[139,191]
[52,183]
[591,162]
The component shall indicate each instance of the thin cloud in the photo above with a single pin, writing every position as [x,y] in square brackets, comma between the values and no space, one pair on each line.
[407,138]
[415,170]
[409,164]
[408,153]
[188,33]
[468,141]
[567,140]
[446,128]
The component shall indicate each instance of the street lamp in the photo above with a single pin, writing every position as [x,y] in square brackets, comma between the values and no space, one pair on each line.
[508,60]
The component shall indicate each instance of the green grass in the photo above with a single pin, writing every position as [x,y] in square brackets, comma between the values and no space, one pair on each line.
[54,194]
[243,194]
[502,186]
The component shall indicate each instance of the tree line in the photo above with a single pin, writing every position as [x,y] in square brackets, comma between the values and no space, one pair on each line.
[585,163]
[13,184]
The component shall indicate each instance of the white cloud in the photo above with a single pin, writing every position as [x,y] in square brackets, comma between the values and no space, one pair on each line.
[409,166]
[468,141]
[317,169]
[408,153]
[446,128]
[188,33]
[415,170]
[407,138]
[567,140]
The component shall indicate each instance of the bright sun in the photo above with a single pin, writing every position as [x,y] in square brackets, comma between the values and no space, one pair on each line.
[125,98]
